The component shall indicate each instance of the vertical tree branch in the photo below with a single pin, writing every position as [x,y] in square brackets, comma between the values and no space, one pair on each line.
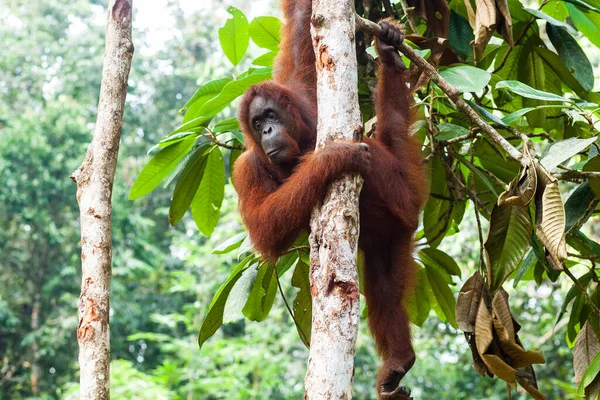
[94,191]
[335,224]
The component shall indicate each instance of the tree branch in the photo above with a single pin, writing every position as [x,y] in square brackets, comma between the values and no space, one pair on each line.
[453,94]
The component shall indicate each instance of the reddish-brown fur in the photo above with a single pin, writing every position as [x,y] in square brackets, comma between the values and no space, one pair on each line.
[276,204]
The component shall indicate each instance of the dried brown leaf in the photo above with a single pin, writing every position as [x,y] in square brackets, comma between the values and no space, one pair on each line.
[478,363]
[468,302]
[500,368]
[523,187]
[470,13]
[550,216]
[504,21]
[485,25]
[483,329]
[501,312]
[586,349]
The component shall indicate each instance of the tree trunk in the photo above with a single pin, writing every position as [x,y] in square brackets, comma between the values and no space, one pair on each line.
[94,191]
[35,346]
[335,224]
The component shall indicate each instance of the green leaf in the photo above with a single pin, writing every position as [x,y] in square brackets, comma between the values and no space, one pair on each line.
[302,302]
[234,36]
[264,31]
[417,302]
[230,244]
[507,242]
[527,91]
[512,117]
[460,35]
[586,22]
[486,113]
[440,260]
[227,125]
[443,295]
[239,294]
[577,204]
[187,184]
[266,60]
[528,262]
[214,316]
[550,20]
[233,90]
[466,78]
[590,374]
[593,165]
[262,295]
[473,168]
[194,125]
[172,139]
[554,64]
[202,95]
[563,150]
[574,58]
[583,4]
[450,131]
[436,212]
[206,205]
[159,167]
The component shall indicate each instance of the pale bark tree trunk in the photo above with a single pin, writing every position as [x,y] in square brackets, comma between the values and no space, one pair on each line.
[36,370]
[335,224]
[94,191]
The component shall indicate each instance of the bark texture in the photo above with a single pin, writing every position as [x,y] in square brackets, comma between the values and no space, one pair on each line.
[94,191]
[335,224]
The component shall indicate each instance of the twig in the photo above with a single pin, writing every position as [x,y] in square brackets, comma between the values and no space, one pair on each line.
[216,141]
[580,287]
[408,11]
[304,338]
[586,215]
[453,94]
[573,174]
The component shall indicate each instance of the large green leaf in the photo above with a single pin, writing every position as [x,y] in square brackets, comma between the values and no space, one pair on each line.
[265,60]
[417,302]
[550,20]
[159,167]
[512,117]
[202,95]
[214,317]
[436,214]
[450,131]
[577,204]
[234,36]
[593,165]
[302,302]
[466,78]
[563,150]
[264,31]
[554,65]
[438,259]
[187,184]
[460,35]
[507,242]
[230,244]
[206,205]
[587,22]
[527,91]
[262,295]
[233,90]
[443,295]
[573,56]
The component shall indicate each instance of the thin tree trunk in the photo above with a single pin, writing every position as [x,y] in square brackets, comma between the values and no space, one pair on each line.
[335,224]
[35,346]
[94,191]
